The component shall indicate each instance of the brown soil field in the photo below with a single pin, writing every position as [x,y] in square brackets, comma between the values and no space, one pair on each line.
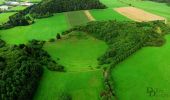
[138,15]
[89,16]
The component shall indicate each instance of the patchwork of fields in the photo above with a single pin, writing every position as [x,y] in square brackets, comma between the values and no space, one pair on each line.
[83,80]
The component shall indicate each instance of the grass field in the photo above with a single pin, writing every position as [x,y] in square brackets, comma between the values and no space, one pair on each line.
[81,85]
[40,30]
[4,17]
[81,81]
[76,18]
[1,2]
[80,52]
[18,8]
[112,3]
[148,67]
[107,14]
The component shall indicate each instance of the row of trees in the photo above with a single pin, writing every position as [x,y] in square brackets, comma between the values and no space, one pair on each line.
[21,68]
[48,7]
[123,38]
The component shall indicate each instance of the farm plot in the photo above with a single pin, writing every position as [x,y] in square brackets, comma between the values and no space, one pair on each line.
[107,14]
[76,18]
[138,14]
[145,69]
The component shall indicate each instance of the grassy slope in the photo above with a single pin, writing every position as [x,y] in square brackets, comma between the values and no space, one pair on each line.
[76,18]
[80,54]
[43,29]
[148,67]
[80,80]
[4,17]
[81,85]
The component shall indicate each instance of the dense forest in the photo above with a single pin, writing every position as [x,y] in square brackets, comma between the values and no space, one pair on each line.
[48,7]
[21,68]
[123,38]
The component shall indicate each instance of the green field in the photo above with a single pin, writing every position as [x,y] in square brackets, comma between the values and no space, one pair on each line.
[1,1]
[79,56]
[42,29]
[81,85]
[18,8]
[148,67]
[4,17]
[107,14]
[76,18]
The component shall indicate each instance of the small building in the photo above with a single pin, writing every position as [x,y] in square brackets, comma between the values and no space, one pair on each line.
[4,8]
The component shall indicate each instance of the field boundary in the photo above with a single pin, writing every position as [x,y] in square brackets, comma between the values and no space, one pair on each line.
[89,16]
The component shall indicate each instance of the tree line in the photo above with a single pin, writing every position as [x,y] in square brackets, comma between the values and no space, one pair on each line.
[21,67]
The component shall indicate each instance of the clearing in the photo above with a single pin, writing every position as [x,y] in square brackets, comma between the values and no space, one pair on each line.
[138,14]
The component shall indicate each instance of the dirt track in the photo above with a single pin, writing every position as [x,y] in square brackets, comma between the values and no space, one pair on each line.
[89,16]
[138,15]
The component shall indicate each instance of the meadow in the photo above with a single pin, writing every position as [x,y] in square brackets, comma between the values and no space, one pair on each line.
[4,17]
[149,67]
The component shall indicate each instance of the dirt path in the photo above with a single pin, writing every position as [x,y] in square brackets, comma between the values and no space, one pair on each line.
[89,16]
[139,15]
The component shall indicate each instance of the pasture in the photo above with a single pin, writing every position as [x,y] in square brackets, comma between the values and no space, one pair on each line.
[82,80]
[42,29]
[149,67]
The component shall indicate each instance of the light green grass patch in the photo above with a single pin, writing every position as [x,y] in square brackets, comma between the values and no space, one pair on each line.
[42,29]
[76,18]
[107,14]
[4,17]
[77,54]
[81,85]
[18,8]
[148,67]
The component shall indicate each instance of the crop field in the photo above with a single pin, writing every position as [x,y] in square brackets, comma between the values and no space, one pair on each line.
[4,17]
[146,68]
[40,30]
[138,15]
[76,18]
[153,7]
[107,14]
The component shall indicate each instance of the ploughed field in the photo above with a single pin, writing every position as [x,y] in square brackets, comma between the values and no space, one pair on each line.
[79,52]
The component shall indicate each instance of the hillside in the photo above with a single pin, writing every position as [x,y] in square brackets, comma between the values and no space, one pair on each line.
[48,7]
